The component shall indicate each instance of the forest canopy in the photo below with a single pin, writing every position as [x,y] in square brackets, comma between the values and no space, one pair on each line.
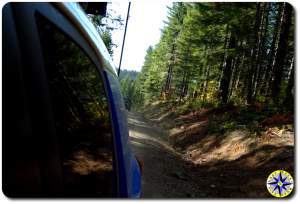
[211,54]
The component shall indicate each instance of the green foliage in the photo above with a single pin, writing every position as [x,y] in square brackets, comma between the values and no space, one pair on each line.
[105,25]
[230,125]
[128,87]
[191,105]
[130,73]
[107,39]
[211,54]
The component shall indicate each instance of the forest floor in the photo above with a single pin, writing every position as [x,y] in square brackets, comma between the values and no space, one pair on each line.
[184,158]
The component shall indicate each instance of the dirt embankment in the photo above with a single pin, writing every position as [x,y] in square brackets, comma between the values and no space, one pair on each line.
[230,158]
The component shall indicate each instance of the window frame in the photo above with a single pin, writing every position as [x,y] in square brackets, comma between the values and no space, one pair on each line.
[36,81]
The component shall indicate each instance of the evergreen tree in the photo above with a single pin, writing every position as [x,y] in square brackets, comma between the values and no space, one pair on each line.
[221,52]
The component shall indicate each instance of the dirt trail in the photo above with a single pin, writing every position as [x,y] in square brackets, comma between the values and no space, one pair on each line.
[164,171]
[167,175]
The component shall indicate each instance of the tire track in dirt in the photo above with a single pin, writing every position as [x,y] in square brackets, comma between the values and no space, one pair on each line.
[164,173]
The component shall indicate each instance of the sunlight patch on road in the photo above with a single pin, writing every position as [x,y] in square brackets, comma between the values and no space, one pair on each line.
[136,143]
[135,121]
[142,136]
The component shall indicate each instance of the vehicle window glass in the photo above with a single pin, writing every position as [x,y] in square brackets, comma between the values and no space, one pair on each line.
[81,113]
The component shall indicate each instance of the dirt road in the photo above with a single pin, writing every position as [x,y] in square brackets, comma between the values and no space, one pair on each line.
[165,173]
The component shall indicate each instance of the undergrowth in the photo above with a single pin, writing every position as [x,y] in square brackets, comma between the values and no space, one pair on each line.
[256,118]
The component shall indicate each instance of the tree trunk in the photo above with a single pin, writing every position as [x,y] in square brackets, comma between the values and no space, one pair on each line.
[206,84]
[289,99]
[222,64]
[271,56]
[263,68]
[183,82]
[235,75]
[281,53]
[170,73]
[262,50]
[224,84]
[254,55]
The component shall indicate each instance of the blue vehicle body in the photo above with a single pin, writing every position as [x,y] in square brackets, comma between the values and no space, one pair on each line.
[17,17]
[129,170]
